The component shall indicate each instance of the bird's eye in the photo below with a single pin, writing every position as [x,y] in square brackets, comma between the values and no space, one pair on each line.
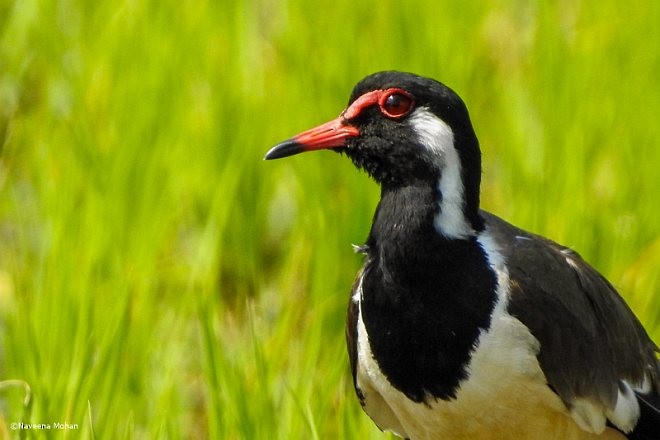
[396,103]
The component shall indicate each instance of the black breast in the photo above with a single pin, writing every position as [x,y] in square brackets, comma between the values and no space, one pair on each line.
[424,298]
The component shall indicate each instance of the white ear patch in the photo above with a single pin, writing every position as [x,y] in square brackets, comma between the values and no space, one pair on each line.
[438,138]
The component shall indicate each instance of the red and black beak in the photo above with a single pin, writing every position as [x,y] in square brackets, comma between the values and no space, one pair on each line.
[332,134]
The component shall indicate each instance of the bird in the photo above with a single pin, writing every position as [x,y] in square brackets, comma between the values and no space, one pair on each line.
[461,325]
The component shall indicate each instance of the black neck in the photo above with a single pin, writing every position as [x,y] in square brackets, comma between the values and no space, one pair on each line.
[425,297]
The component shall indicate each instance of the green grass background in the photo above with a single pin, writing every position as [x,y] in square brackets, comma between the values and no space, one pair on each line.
[159,280]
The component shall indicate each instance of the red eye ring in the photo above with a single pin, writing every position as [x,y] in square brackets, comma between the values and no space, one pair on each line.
[396,103]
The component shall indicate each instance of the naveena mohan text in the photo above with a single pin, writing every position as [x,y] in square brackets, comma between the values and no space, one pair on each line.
[43,426]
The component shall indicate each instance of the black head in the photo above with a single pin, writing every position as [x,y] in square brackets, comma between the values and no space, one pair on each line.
[402,129]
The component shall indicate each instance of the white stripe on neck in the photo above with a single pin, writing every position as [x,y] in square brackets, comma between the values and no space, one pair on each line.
[438,138]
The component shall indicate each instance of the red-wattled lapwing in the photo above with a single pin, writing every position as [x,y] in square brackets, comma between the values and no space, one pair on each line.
[460,325]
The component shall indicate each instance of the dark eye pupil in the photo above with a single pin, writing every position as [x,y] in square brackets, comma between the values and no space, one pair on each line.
[396,104]
[393,102]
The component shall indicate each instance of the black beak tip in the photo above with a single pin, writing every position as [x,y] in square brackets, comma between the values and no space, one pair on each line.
[284,149]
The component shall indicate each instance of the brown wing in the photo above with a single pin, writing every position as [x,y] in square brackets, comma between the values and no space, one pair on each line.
[590,339]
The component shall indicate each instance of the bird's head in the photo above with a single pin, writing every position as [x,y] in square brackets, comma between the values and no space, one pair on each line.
[403,130]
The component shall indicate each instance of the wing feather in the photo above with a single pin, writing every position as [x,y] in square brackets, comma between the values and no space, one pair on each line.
[590,339]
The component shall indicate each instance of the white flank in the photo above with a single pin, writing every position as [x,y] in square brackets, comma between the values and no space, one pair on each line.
[626,410]
[436,136]
[588,415]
